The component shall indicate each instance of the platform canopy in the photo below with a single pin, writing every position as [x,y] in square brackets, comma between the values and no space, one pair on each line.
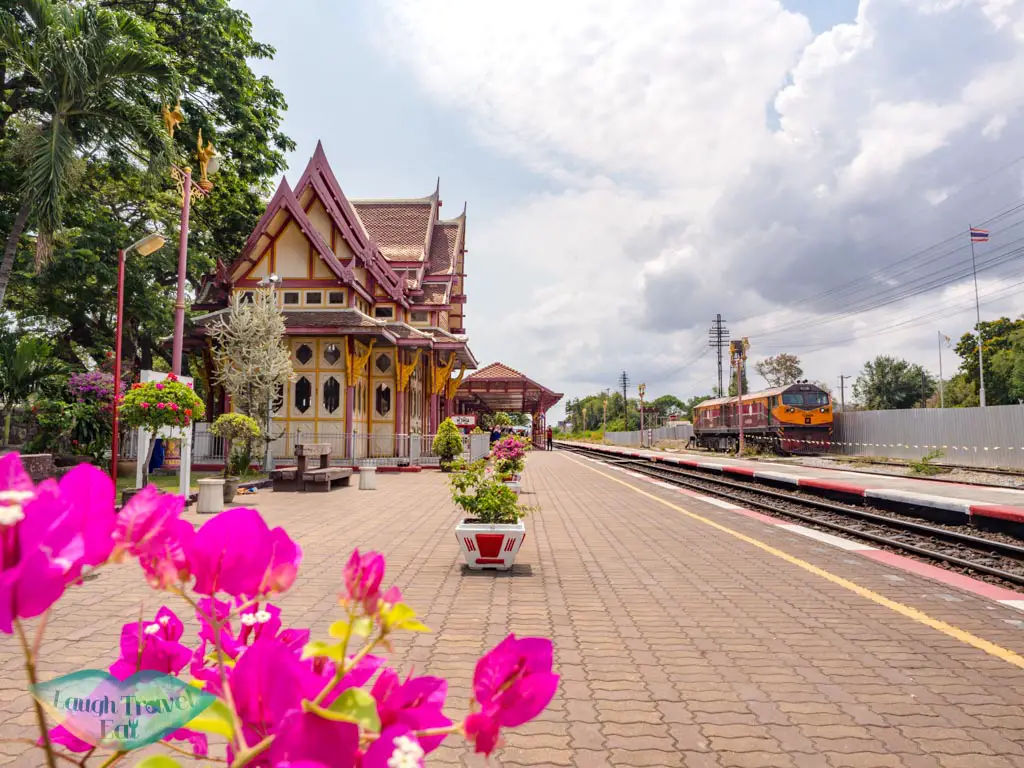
[498,387]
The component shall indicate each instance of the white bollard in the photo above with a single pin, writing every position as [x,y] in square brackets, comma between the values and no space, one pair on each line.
[211,496]
[367,478]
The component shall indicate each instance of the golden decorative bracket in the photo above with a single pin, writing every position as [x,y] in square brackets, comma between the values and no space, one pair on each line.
[405,371]
[453,384]
[356,364]
[441,375]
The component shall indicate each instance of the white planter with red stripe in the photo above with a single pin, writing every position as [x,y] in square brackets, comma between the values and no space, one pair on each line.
[515,485]
[490,546]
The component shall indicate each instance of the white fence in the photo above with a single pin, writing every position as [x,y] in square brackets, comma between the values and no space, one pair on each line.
[379,449]
[978,437]
[650,436]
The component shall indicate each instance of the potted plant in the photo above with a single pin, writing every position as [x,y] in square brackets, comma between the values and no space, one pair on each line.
[233,428]
[509,459]
[491,531]
[447,444]
[158,404]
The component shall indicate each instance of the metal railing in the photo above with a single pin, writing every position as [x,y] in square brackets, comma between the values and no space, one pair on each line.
[375,449]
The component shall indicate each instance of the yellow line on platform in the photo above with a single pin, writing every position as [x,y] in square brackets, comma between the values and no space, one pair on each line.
[904,610]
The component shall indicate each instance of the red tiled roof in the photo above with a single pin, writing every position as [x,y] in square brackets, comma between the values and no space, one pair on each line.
[400,229]
[443,245]
[496,371]
[433,293]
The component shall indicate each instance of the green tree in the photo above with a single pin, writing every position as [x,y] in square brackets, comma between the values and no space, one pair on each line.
[87,76]
[692,403]
[1003,348]
[779,370]
[26,362]
[669,405]
[888,383]
[116,201]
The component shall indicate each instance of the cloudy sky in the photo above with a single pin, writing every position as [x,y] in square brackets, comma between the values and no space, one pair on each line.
[806,168]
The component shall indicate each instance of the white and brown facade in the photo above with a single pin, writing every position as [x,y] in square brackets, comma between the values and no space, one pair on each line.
[373,293]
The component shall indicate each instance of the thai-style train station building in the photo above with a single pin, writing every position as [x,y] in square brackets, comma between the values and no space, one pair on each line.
[372,293]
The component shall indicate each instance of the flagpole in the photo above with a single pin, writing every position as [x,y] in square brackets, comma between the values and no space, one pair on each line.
[977,306]
[942,397]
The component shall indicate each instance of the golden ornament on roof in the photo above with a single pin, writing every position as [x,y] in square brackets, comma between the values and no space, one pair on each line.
[172,118]
[205,155]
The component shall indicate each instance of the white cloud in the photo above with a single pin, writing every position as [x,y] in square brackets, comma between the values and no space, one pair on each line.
[680,197]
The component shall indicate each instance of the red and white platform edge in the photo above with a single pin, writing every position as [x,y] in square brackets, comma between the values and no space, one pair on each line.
[490,546]
[1000,595]
[967,507]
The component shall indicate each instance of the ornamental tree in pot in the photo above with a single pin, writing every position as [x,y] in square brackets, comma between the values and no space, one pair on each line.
[280,697]
[232,428]
[447,444]
[492,530]
[158,404]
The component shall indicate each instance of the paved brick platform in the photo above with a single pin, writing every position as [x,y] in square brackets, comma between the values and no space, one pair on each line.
[686,634]
[969,500]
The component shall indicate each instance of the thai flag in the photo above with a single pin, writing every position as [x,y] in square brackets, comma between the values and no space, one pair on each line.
[979,235]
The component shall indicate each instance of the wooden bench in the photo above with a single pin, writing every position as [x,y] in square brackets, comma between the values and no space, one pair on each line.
[284,479]
[307,456]
[325,479]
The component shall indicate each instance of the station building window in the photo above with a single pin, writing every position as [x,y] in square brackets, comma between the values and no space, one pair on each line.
[291,297]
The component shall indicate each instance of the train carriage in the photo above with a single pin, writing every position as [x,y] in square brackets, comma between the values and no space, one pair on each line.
[796,418]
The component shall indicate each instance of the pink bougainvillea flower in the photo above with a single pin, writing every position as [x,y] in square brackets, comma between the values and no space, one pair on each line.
[284,563]
[87,494]
[161,406]
[363,574]
[164,559]
[323,672]
[397,747]
[173,406]
[416,703]
[144,520]
[48,534]
[159,385]
[304,738]
[150,528]
[155,645]
[64,737]
[513,683]
[143,405]
[266,684]
[234,553]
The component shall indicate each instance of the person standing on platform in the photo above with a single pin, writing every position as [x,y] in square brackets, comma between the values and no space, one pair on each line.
[550,440]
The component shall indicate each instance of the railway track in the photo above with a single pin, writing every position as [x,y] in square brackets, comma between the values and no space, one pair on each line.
[995,557]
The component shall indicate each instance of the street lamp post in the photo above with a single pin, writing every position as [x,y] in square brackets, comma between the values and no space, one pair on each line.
[642,389]
[145,246]
[208,164]
[268,461]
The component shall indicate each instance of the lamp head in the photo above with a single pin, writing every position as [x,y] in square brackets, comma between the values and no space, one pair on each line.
[148,244]
[213,165]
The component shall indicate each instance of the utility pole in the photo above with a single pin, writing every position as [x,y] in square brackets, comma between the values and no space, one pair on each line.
[942,394]
[980,236]
[718,337]
[738,351]
[604,428]
[642,389]
[842,392]
[624,383]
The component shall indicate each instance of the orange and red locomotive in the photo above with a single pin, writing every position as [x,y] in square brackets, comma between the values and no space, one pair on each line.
[796,418]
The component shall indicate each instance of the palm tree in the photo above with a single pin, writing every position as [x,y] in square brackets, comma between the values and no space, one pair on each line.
[92,73]
[25,363]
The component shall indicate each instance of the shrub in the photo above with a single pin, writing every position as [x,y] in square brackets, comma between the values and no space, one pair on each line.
[509,455]
[232,427]
[925,466]
[279,698]
[483,497]
[447,443]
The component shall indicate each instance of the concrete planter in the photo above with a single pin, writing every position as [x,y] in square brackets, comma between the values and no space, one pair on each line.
[515,485]
[211,496]
[487,546]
